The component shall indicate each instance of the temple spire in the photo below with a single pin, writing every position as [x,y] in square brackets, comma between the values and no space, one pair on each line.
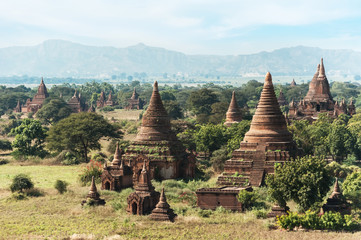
[234,113]
[144,183]
[321,70]
[162,211]
[93,193]
[117,156]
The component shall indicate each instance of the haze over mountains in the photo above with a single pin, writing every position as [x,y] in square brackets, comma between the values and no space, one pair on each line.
[58,58]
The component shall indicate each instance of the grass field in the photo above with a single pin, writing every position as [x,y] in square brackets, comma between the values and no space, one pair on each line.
[55,216]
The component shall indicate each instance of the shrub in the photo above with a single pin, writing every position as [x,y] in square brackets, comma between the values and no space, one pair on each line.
[66,157]
[61,186]
[247,198]
[352,183]
[21,182]
[34,192]
[99,157]
[311,220]
[260,213]
[4,161]
[93,168]
[5,145]
[204,213]
[107,109]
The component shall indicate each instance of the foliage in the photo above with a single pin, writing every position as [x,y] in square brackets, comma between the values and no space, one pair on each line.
[29,138]
[200,101]
[173,109]
[61,186]
[20,183]
[247,198]
[107,109]
[93,168]
[311,220]
[340,171]
[53,110]
[352,183]
[209,137]
[218,159]
[5,145]
[80,133]
[304,180]
[235,134]
[66,157]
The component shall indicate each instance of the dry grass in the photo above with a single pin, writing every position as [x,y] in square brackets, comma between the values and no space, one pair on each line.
[58,216]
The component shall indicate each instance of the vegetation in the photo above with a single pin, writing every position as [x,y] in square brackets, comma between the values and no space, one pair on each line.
[304,180]
[20,183]
[80,133]
[53,110]
[61,186]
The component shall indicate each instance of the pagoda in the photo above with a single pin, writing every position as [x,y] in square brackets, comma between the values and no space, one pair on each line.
[117,176]
[134,102]
[101,101]
[318,100]
[293,83]
[144,199]
[75,104]
[266,143]
[158,145]
[162,211]
[336,202]
[33,105]
[18,107]
[234,113]
[110,101]
[281,99]
[93,197]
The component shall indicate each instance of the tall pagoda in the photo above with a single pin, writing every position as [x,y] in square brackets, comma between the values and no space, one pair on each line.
[234,113]
[267,142]
[33,105]
[158,145]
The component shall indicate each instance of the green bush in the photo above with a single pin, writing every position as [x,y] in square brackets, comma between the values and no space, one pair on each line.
[247,198]
[61,186]
[352,183]
[311,220]
[20,183]
[107,109]
[204,213]
[33,192]
[260,213]
[4,161]
[67,158]
[93,168]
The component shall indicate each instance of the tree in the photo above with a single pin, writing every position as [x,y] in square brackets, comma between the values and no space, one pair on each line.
[173,109]
[209,138]
[304,180]
[53,110]
[219,110]
[29,137]
[235,134]
[80,132]
[21,182]
[200,101]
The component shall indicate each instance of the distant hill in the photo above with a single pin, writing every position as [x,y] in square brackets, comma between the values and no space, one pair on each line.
[58,58]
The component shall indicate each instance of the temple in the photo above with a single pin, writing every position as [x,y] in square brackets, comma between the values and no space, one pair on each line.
[117,176]
[110,101]
[234,113]
[75,104]
[144,199]
[134,102]
[266,143]
[158,145]
[319,100]
[336,202]
[281,99]
[93,197]
[293,83]
[162,211]
[33,105]
[102,101]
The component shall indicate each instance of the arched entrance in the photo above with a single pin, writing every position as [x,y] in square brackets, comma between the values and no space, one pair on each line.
[318,107]
[107,186]
[134,208]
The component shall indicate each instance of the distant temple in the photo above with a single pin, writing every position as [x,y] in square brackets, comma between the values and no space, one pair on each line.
[102,102]
[33,105]
[75,103]
[266,143]
[234,113]
[281,99]
[293,83]
[158,145]
[135,102]
[319,100]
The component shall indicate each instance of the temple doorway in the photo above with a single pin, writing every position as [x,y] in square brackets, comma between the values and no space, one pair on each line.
[318,108]
[107,186]
[134,208]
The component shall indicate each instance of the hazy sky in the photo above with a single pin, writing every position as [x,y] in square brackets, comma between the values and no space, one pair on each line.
[189,26]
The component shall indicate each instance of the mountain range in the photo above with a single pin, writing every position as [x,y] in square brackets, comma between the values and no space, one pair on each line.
[59,58]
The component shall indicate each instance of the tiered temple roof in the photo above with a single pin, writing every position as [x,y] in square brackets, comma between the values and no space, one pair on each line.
[134,102]
[74,103]
[267,142]
[33,105]
[337,202]
[234,113]
[158,144]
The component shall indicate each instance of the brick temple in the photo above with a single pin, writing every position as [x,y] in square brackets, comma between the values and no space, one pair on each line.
[158,145]
[134,102]
[267,142]
[319,100]
[33,105]
[75,103]
[103,101]
[234,113]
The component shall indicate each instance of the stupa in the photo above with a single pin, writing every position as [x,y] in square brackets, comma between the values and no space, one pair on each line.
[93,197]
[18,107]
[75,103]
[110,101]
[117,176]
[134,102]
[336,202]
[158,145]
[281,99]
[162,211]
[266,143]
[101,101]
[234,113]
[318,100]
[144,199]
[293,83]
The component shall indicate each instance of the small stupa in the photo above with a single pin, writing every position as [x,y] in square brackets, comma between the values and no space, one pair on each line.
[144,199]
[234,113]
[162,211]
[293,83]
[93,197]
[266,143]
[101,102]
[281,99]
[336,202]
